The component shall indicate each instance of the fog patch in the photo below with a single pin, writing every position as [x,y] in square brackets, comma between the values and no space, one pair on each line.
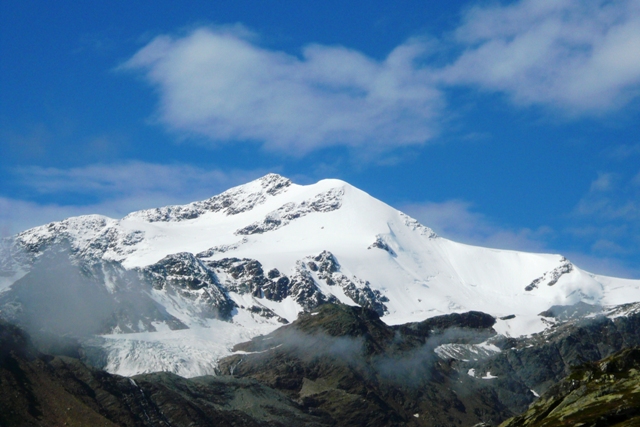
[397,362]
[62,297]
[55,297]
[413,367]
[13,261]
[565,313]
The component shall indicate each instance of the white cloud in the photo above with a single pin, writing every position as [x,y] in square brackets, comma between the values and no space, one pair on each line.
[455,220]
[579,56]
[115,190]
[574,56]
[216,83]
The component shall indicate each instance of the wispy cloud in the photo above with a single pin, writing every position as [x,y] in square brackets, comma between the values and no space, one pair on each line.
[132,177]
[610,198]
[604,182]
[607,219]
[576,56]
[17,215]
[624,151]
[455,219]
[111,189]
[217,83]
[604,264]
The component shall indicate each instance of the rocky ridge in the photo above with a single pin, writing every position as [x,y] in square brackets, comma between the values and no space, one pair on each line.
[231,202]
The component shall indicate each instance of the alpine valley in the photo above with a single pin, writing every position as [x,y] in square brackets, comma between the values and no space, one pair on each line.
[292,305]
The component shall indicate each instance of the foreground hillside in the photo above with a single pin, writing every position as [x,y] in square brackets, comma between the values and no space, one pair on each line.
[603,393]
[342,366]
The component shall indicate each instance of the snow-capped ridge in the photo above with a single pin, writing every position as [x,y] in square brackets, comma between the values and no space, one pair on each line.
[415,225]
[231,202]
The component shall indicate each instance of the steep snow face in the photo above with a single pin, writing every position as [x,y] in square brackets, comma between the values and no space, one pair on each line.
[258,254]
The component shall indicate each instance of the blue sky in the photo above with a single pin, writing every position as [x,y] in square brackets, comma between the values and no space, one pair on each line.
[505,124]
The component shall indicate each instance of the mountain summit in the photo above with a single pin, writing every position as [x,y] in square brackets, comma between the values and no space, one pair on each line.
[174,288]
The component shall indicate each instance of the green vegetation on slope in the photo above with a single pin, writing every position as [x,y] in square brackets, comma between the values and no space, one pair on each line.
[598,394]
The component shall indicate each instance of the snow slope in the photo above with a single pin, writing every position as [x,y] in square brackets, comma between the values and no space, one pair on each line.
[374,254]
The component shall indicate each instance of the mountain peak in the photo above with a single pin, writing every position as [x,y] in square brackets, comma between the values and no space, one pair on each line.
[272,182]
[257,255]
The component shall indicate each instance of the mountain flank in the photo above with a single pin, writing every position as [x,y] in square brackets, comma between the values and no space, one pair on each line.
[176,287]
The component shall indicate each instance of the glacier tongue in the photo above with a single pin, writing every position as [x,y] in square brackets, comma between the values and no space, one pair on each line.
[210,274]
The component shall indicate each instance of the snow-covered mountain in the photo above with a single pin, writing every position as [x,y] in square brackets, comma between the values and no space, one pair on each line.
[183,284]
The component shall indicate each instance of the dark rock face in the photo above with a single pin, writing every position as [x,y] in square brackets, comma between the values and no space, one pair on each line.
[276,290]
[304,291]
[186,275]
[603,393]
[247,276]
[475,320]
[326,263]
[326,267]
[182,270]
[345,363]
